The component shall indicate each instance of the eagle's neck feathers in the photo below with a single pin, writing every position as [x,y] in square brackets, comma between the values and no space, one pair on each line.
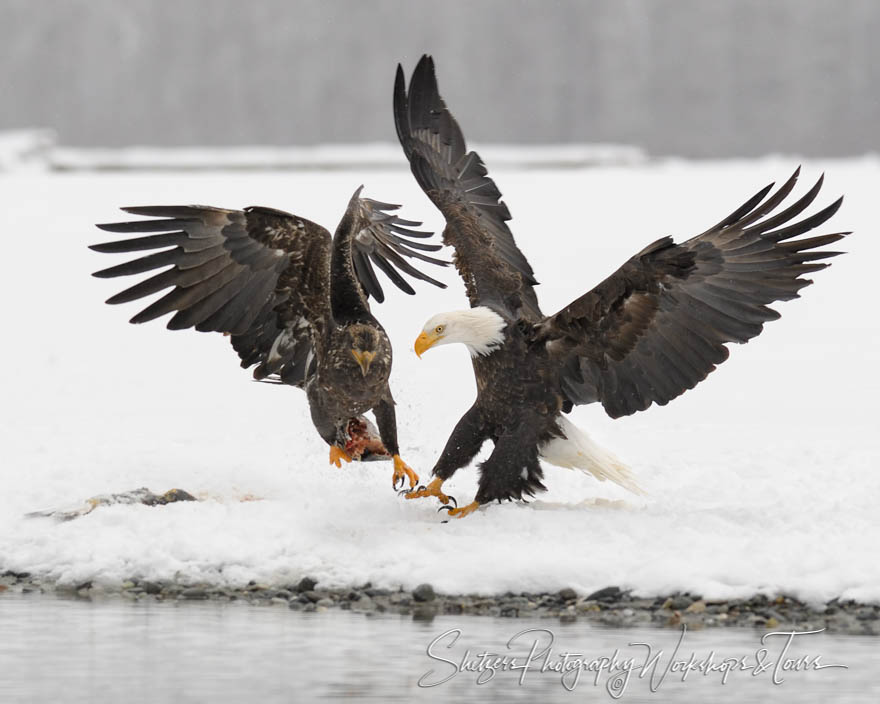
[480,329]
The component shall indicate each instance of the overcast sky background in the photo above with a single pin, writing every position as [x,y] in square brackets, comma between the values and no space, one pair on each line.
[696,78]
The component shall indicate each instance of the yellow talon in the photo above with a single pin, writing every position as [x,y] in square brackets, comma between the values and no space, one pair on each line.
[337,454]
[433,489]
[464,510]
[402,472]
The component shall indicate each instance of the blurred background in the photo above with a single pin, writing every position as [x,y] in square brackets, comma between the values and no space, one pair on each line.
[691,78]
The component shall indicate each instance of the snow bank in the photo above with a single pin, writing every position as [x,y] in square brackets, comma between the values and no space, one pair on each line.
[764,478]
[25,148]
[338,156]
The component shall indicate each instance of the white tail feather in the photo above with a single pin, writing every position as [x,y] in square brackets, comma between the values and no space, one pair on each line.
[576,450]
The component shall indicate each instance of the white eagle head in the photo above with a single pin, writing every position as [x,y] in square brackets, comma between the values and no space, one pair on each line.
[480,329]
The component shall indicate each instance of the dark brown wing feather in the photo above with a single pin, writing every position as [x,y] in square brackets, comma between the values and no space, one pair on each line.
[259,275]
[370,233]
[659,324]
[492,266]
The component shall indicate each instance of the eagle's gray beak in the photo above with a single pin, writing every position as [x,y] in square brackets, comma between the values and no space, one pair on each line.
[364,359]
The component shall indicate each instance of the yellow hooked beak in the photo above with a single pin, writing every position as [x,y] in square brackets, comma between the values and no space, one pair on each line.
[364,359]
[425,341]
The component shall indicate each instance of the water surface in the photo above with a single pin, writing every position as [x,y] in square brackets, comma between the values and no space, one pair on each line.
[115,651]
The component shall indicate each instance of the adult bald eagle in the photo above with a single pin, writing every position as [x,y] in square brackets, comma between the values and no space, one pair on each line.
[293,301]
[650,331]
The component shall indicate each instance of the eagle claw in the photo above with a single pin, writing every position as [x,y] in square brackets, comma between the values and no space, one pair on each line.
[402,473]
[433,489]
[460,512]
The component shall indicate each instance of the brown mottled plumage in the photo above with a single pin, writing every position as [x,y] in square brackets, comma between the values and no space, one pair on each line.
[293,300]
[653,329]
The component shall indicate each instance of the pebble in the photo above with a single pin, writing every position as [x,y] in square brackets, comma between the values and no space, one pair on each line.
[678,602]
[194,593]
[424,592]
[606,594]
[306,584]
[568,594]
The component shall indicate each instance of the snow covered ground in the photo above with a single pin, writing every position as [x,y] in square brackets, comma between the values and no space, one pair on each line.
[764,478]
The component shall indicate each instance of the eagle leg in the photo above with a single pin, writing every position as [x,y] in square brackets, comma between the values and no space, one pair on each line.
[433,489]
[337,455]
[463,511]
[402,472]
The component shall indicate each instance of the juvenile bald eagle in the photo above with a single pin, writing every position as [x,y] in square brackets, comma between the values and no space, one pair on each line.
[650,331]
[293,301]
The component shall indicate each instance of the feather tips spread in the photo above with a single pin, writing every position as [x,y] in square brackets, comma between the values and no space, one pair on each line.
[494,270]
[659,324]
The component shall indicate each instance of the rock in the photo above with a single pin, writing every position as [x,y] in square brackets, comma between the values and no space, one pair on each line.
[866,613]
[326,603]
[568,594]
[151,587]
[679,602]
[697,607]
[283,594]
[607,594]
[376,591]
[194,593]
[424,592]
[365,603]
[311,595]
[306,584]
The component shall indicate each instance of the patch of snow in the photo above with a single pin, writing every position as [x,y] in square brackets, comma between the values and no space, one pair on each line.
[332,157]
[763,478]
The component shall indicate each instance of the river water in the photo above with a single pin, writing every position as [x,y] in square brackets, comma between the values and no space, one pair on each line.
[114,651]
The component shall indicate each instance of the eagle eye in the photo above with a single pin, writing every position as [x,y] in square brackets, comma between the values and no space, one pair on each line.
[439,329]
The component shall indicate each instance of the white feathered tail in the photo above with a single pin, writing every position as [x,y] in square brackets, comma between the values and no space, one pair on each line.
[576,450]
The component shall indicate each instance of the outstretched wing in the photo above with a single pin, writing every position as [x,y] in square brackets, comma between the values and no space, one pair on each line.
[259,275]
[369,233]
[493,268]
[659,324]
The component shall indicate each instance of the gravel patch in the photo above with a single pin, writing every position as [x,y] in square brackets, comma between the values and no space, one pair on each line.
[611,606]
